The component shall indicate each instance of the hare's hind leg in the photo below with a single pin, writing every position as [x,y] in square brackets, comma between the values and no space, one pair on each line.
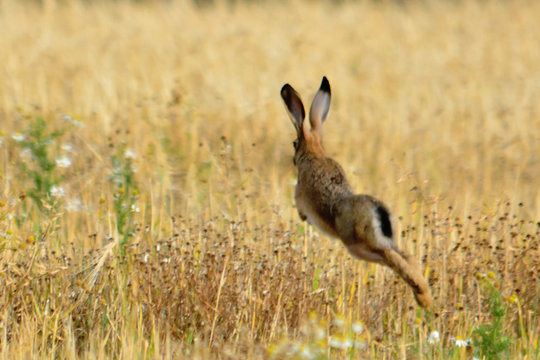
[403,265]
[409,271]
[361,251]
[367,229]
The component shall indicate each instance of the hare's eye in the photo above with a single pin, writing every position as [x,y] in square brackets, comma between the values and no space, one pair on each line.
[295,143]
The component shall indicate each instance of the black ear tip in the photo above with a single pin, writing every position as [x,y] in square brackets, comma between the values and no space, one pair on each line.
[285,90]
[325,85]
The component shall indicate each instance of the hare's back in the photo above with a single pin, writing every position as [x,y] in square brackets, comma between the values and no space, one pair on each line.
[324,177]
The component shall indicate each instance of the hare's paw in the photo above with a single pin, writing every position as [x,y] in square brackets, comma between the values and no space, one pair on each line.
[424,299]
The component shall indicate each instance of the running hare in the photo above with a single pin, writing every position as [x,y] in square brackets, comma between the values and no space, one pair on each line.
[325,198]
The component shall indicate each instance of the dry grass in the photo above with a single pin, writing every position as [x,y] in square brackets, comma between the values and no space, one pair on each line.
[435,110]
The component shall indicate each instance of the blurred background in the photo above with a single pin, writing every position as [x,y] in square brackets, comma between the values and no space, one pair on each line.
[146,141]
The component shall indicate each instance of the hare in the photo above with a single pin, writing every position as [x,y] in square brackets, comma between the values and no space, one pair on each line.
[325,199]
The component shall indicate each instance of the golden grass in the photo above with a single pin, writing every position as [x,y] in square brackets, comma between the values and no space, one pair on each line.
[435,110]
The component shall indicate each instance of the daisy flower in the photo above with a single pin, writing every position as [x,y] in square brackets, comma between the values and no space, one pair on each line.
[130,154]
[63,162]
[57,191]
[74,205]
[18,137]
[434,337]
[460,342]
[339,343]
[357,328]
[66,147]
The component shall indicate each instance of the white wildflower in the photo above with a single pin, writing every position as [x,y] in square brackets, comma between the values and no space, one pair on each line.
[340,343]
[338,321]
[135,208]
[74,205]
[460,342]
[357,328]
[434,337]
[66,147]
[63,162]
[73,121]
[17,137]
[58,191]
[130,154]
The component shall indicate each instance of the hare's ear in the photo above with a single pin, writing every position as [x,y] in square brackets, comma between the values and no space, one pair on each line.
[320,106]
[295,108]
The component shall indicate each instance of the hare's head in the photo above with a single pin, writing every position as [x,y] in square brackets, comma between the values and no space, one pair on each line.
[307,140]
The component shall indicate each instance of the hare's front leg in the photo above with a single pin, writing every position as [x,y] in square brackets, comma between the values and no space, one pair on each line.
[300,204]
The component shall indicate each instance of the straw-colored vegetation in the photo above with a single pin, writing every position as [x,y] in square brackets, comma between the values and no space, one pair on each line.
[146,181]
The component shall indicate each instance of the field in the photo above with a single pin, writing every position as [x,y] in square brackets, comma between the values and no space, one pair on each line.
[146,179]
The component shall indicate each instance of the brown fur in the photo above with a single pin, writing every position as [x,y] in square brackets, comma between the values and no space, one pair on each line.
[324,197]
